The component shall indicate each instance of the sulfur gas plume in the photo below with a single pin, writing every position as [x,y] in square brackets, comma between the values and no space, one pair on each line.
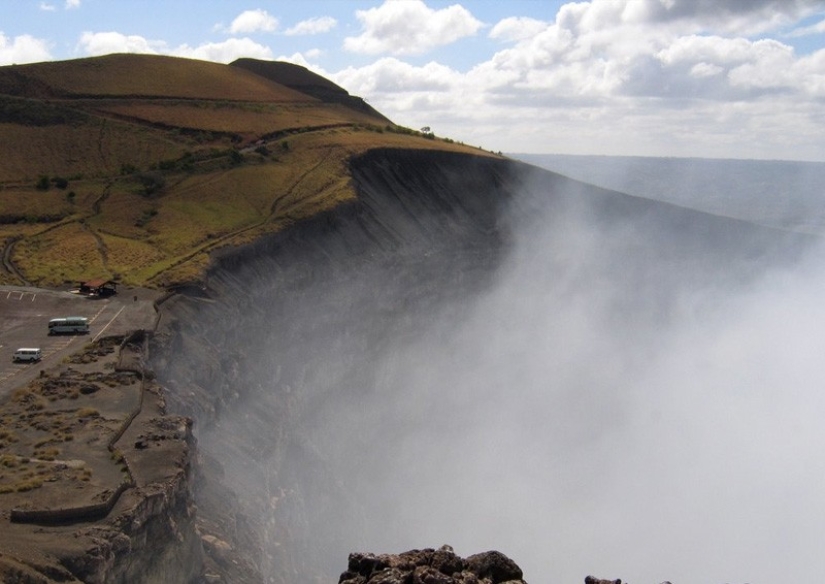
[503,359]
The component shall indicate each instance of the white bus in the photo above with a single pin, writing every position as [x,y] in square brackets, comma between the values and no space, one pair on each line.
[69,324]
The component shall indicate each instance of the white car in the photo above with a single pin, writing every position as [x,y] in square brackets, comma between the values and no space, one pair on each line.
[30,354]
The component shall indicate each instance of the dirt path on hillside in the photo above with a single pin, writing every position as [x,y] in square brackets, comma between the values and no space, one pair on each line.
[8,264]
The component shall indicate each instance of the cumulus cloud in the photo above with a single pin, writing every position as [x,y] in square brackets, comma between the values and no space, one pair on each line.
[771,67]
[314,54]
[410,28]
[226,51]
[705,70]
[811,70]
[302,59]
[104,43]
[517,28]
[250,21]
[733,17]
[637,68]
[22,49]
[392,76]
[317,25]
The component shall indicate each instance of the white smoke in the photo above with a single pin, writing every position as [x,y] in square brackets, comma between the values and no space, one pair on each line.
[560,419]
[597,408]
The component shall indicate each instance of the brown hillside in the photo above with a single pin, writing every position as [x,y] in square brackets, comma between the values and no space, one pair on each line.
[143,76]
[305,81]
[137,167]
[288,74]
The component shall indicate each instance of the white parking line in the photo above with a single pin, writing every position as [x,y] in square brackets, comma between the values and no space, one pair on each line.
[111,320]
[22,294]
[91,320]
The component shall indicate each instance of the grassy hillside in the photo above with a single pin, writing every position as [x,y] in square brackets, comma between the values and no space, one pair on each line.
[137,167]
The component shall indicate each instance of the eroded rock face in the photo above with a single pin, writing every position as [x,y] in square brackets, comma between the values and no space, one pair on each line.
[431,566]
[594,580]
[295,333]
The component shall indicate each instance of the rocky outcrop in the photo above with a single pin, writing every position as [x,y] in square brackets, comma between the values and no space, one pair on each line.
[154,541]
[431,566]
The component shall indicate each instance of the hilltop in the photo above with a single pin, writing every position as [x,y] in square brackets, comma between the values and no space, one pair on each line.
[135,168]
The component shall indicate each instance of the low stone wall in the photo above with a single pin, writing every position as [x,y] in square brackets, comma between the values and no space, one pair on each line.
[69,514]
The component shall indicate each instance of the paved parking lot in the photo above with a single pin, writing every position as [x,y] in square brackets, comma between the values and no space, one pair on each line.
[25,314]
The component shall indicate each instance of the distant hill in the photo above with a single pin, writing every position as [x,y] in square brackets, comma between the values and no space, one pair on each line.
[137,167]
[785,194]
[147,76]
[305,81]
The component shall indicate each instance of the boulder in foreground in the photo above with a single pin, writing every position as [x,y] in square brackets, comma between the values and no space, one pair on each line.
[441,566]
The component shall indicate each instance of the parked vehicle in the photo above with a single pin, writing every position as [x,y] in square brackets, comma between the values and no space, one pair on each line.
[27,354]
[69,324]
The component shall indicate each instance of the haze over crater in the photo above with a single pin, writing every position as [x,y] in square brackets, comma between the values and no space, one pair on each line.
[486,355]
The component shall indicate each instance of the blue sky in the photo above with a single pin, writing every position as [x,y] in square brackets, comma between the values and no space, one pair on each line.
[707,78]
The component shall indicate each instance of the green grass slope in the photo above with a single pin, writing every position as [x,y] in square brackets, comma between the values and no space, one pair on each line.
[137,167]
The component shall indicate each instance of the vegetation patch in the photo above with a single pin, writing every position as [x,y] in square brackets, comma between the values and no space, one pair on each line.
[66,253]
[30,205]
[31,112]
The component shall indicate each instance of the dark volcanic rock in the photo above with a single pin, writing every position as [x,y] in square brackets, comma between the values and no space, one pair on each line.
[430,566]
[594,580]
[494,565]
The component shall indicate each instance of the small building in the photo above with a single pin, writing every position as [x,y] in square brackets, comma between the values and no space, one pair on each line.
[99,287]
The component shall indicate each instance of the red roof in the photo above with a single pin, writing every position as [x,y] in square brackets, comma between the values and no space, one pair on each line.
[98,283]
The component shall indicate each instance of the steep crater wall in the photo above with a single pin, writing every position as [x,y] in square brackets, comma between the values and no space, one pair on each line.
[289,359]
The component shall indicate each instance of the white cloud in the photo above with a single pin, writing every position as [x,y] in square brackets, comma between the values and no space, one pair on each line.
[714,49]
[314,54]
[410,28]
[46,7]
[817,28]
[602,78]
[705,70]
[771,66]
[743,17]
[250,21]
[70,4]
[318,25]
[517,28]
[22,49]
[104,43]
[811,70]
[226,51]
[302,60]
[391,76]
